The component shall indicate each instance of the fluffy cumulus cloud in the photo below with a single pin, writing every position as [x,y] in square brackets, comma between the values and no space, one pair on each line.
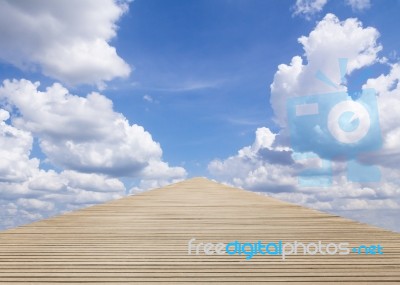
[331,39]
[29,193]
[308,8]
[15,146]
[84,134]
[269,165]
[92,144]
[261,166]
[388,89]
[66,40]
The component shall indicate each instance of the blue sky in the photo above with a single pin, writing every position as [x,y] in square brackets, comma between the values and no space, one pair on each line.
[207,79]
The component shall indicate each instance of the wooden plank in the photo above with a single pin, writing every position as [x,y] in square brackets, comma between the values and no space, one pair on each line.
[144,239]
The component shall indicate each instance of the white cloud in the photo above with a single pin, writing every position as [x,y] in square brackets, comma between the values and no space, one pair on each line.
[92,182]
[331,39]
[255,169]
[93,144]
[158,174]
[265,166]
[251,169]
[358,5]
[46,193]
[47,181]
[308,8]
[68,40]
[35,204]
[388,91]
[38,193]
[29,193]
[15,147]
[359,44]
[84,134]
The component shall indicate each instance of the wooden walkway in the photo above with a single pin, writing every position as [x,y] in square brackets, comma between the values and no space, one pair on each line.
[143,239]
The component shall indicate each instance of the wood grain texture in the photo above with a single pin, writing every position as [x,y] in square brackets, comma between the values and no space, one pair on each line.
[143,239]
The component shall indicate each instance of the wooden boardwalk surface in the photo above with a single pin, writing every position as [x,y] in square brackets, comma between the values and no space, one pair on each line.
[143,239]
